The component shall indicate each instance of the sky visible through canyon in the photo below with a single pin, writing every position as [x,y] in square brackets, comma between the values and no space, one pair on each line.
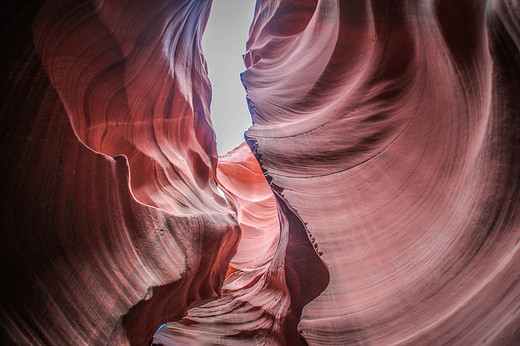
[223,43]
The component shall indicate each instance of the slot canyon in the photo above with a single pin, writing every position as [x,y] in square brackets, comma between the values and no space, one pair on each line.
[375,199]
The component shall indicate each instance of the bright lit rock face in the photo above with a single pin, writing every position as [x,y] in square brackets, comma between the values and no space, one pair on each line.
[244,185]
[379,204]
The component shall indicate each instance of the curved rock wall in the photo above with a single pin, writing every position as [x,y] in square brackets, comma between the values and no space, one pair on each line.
[392,129]
[274,273]
[111,221]
[387,132]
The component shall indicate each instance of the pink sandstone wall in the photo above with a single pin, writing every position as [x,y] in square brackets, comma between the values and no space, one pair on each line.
[375,202]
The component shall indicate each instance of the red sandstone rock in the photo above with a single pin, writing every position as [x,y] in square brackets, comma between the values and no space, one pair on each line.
[388,134]
[263,296]
[111,221]
[245,187]
[392,129]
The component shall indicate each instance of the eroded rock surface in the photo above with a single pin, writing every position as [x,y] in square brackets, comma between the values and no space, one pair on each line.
[111,221]
[392,129]
[384,208]
[274,273]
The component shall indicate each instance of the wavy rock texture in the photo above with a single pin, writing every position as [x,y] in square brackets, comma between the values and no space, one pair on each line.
[273,275]
[111,221]
[388,133]
[393,129]
[245,187]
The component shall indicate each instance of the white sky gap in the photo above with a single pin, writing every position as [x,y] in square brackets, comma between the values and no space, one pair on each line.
[223,43]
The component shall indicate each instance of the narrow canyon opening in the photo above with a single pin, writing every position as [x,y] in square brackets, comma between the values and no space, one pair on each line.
[269,241]
[223,44]
[239,177]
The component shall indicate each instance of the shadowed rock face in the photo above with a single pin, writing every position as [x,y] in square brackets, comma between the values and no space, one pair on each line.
[111,220]
[378,201]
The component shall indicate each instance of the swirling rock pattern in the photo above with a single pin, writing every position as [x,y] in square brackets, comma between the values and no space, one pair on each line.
[111,221]
[274,273]
[387,133]
[392,128]
[244,185]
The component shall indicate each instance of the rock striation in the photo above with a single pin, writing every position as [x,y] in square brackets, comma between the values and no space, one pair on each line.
[274,273]
[392,129]
[111,220]
[375,202]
